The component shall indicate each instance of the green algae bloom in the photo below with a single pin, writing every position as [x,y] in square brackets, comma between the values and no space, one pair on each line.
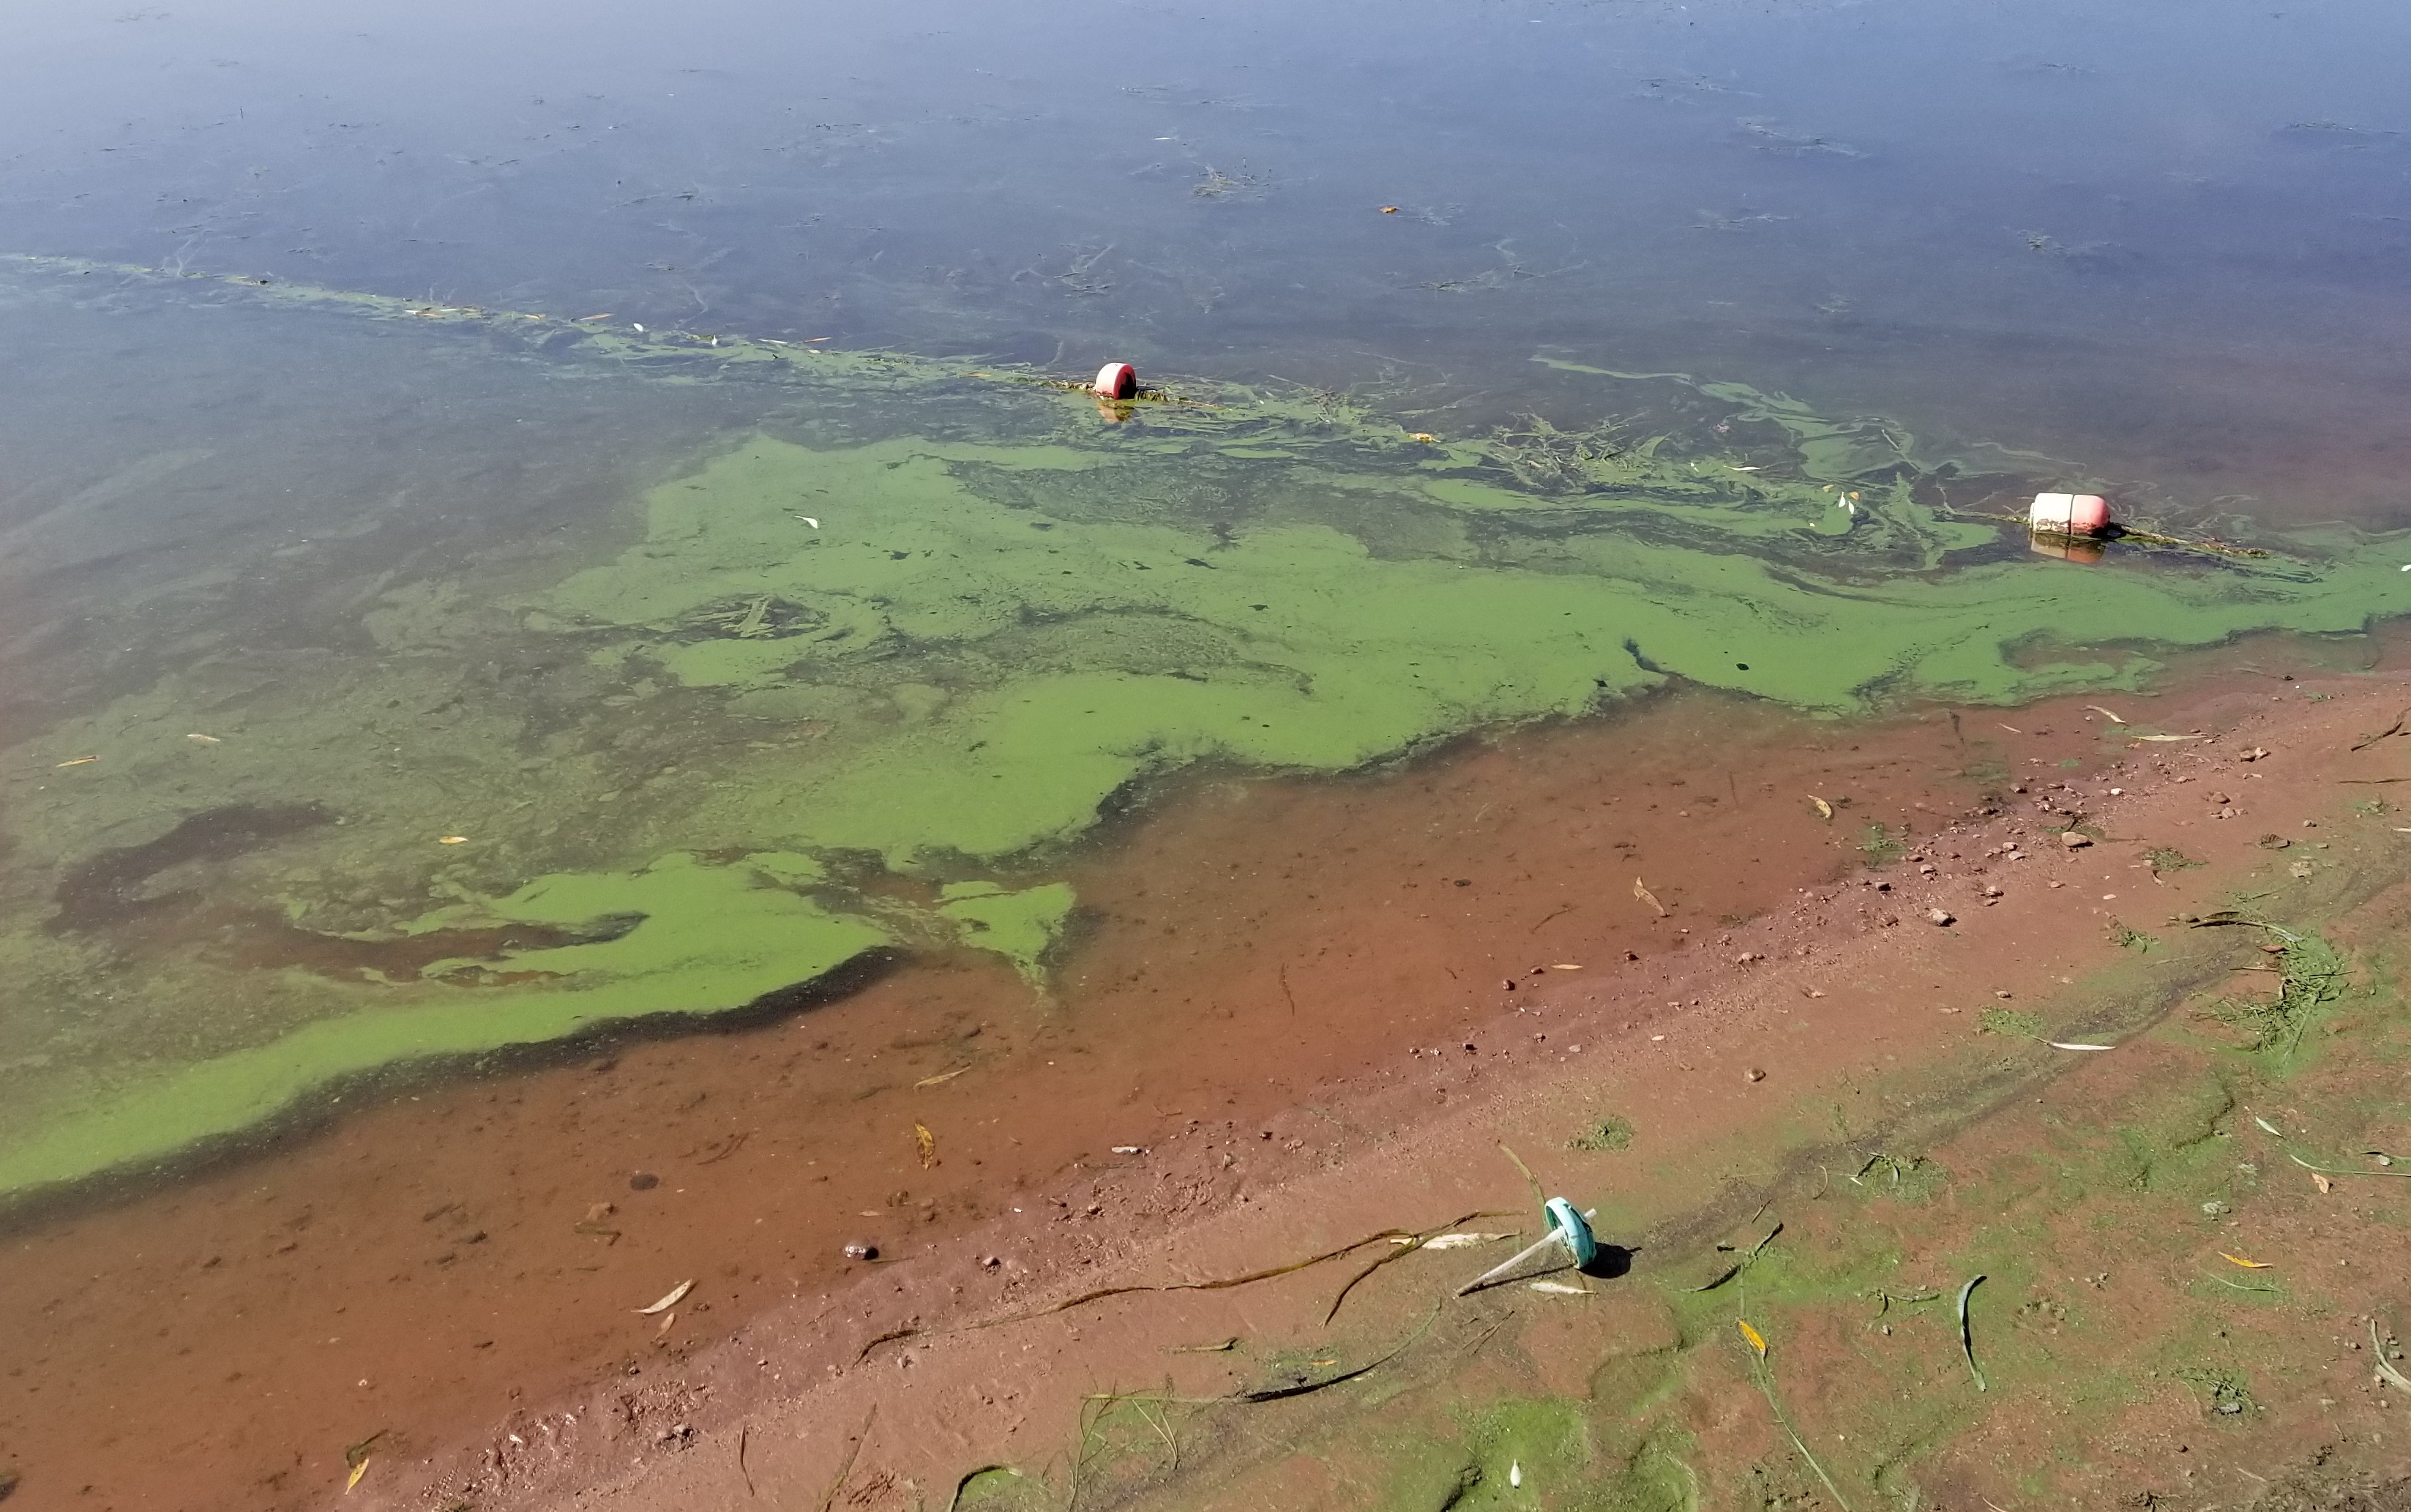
[896,638]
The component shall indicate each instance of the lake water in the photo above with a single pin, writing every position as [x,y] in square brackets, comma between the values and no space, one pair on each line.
[513,522]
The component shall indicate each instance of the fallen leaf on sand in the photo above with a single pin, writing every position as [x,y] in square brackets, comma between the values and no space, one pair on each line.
[1566,966]
[2321,1182]
[453,840]
[667,1319]
[2165,737]
[358,1457]
[2105,714]
[1824,809]
[677,1294]
[926,1144]
[2248,1265]
[80,760]
[2062,1044]
[206,740]
[1559,1289]
[941,1078]
[1757,1340]
[1463,1240]
[1645,896]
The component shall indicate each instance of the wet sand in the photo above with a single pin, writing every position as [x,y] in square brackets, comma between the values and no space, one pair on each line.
[1850,1011]
[1277,978]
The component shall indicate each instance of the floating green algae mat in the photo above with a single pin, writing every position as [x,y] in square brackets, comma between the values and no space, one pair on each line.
[854,675]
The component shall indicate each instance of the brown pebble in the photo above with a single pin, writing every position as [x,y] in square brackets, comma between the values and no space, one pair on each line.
[643,1181]
[2074,841]
[1755,1074]
[1938,916]
[861,1252]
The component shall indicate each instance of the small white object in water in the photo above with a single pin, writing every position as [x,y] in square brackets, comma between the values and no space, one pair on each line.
[1515,1472]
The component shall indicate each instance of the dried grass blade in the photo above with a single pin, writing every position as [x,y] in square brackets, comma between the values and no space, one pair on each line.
[676,1294]
[1966,1334]
[2338,1170]
[2393,1377]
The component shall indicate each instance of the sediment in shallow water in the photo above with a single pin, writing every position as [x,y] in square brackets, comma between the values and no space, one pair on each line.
[892,644]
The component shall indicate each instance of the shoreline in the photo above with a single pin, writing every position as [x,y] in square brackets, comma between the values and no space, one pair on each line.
[920,1375]
[500,1260]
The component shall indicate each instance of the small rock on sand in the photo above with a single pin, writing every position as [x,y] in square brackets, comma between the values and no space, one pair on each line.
[1938,916]
[2073,840]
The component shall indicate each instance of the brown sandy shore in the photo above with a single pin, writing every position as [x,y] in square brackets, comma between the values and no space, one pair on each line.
[1305,1013]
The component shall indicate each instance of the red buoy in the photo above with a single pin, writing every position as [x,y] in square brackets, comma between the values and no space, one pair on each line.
[1115,380]
[2069,514]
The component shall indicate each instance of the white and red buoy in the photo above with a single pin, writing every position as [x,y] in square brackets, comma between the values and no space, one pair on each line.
[1115,380]
[2069,513]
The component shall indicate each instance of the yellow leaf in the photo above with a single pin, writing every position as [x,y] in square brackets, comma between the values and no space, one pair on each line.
[2248,1265]
[1757,1341]
[453,840]
[1645,896]
[358,1471]
[942,1078]
[928,1143]
[1824,809]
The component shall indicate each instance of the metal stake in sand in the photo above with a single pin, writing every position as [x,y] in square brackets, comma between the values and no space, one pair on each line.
[1566,1228]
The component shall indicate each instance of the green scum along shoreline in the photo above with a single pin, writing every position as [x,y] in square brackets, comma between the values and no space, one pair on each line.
[995,610]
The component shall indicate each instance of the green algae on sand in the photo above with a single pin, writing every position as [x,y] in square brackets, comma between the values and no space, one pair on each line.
[972,616]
